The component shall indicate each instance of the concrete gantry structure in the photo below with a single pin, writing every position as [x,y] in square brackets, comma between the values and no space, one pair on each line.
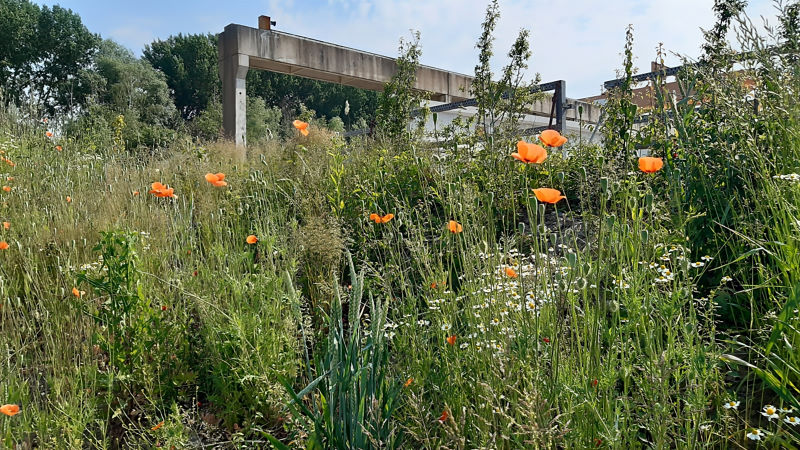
[243,48]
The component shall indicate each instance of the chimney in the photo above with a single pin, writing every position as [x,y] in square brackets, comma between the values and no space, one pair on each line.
[654,66]
[264,23]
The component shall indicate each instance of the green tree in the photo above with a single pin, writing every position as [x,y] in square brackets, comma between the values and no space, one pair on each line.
[130,86]
[189,63]
[43,54]
[328,99]
[399,99]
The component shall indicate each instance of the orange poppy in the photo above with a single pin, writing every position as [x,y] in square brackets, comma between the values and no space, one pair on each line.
[69,199]
[10,178]
[10,410]
[135,193]
[444,416]
[6,225]
[160,424]
[648,164]
[58,147]
[530,153]
[452,340]
[455,227]
[511,272]
[49,134]
[547,195]
[252,239]
[378,219]
[408,382]
[302,126]
[160,190]
[77,293]
[436,284]
[552,138]
[217,179]
[7,188]
[3,245]
[10,163]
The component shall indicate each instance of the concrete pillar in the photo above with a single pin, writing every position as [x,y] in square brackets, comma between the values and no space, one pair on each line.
[233,71]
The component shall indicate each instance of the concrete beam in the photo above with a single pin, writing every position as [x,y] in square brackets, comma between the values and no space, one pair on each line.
[242,48]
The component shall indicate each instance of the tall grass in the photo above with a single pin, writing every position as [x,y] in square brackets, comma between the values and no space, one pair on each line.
[645,310]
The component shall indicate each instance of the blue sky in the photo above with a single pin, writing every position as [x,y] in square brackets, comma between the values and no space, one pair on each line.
[576,40]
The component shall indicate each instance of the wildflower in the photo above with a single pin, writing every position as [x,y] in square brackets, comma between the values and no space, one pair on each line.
[755,434]
[216,179]
[444,416]
[58,147]
[706,258]
[423,322]
[731,405]
[725,279]
[530,153]
[164,307]
[446,327]
[793,421]
[49,134]
[451,340]
[160,190]
[7,188]
[789,177]
[463,346]
[594,383]
[302,126]
[77,293]
[135,193]
[552,138]
[546,340]
[10,178]
[408,383]
[3,245]
[6,225]
[455,227]
[770,412]
[648,164]
[69,199]
[10,410]
[511,272]
[252,239]
[547,195]
[697,264]
[160,424]
[378,219]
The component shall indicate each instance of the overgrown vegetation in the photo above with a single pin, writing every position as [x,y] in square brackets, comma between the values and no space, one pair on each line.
[408,290]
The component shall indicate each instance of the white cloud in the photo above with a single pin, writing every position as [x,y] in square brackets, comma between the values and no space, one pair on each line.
[580,41]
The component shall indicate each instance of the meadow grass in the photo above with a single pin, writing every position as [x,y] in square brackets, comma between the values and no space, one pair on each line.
[644,310]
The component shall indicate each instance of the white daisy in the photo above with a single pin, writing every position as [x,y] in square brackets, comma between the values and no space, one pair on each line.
[755,434]
[770,412]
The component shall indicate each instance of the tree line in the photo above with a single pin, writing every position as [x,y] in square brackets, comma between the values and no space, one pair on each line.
[51,65]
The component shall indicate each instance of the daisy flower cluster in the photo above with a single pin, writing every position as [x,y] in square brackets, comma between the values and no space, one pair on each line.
[792,177]
[771,413]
